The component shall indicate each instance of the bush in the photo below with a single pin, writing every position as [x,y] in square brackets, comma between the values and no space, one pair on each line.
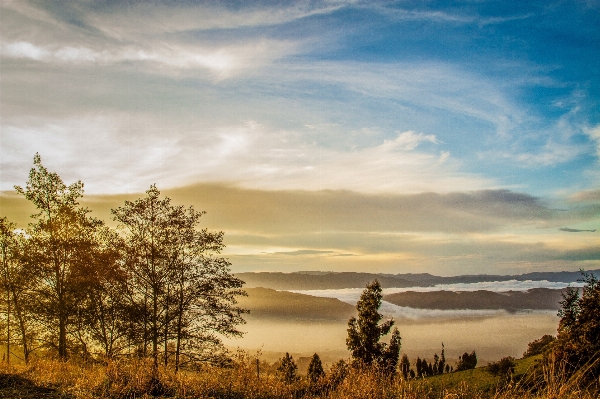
[467,361]
[503,367]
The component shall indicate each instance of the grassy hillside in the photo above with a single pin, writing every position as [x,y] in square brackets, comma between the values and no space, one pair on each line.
[133,378]
[479,379]
[269,303]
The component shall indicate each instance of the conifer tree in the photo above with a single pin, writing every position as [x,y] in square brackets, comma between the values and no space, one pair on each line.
[365,332]
[405,366]
[315,369]
[287,369]
[442,361]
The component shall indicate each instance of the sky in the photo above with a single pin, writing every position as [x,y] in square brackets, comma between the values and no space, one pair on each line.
[380,136]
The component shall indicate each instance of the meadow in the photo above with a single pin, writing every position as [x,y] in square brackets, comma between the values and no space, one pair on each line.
[133,379]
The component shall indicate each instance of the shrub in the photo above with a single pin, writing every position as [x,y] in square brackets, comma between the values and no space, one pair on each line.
[503,367]
[467,361]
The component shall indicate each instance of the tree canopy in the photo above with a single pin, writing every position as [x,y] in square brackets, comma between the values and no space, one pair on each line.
[578,342]
[156,286]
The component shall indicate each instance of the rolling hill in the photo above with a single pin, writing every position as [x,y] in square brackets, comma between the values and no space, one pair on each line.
[537,298]
[272,304]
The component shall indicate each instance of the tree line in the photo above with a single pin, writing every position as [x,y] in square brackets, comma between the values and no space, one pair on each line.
[155,286]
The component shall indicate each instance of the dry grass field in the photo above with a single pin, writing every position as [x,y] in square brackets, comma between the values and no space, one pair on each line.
[134,379]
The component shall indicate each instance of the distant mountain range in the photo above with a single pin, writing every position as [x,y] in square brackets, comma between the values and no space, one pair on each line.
[318,280]
[536,298]
[338,280]
[269,304]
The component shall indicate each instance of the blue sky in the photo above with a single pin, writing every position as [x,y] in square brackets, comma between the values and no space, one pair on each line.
[496,103]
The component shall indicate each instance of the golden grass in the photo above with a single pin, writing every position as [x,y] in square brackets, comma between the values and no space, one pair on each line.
[134,378]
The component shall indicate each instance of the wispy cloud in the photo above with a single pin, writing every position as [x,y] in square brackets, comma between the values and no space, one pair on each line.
[224,61]
[586,196]
[594,134]
[249,155]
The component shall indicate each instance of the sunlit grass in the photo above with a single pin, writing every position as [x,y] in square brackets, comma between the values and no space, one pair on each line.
[134,378]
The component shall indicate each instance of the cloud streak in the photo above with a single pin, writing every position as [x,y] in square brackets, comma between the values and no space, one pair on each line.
[250,156]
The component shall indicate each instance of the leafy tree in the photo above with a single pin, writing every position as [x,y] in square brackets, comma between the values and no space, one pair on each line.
[578,340]
[365,332]
[539,345]
[106,317]
[185,294]
[467,361]
[8,261]
[315,369]
[14,286]
[287,369]
[60,251]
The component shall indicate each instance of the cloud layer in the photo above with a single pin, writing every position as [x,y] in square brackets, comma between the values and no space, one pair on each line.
[321,134]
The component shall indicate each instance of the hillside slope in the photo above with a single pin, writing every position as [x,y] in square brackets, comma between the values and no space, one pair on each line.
[272,304]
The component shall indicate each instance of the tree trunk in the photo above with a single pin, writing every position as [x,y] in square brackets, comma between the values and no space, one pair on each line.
[62,322]
[145,349]
[167,326]
[179,325]
[62,337]
[8,325]
[155,327]
[23,328]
